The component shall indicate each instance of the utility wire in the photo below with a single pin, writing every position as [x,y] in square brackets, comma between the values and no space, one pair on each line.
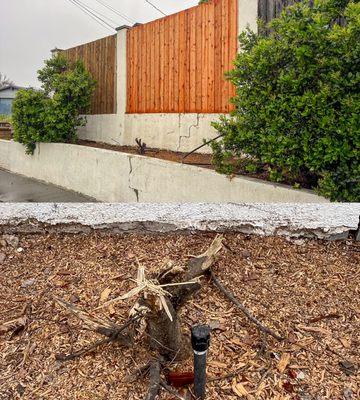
[92,15]
[95,14]
[154,6]
[117,12]
[116,23]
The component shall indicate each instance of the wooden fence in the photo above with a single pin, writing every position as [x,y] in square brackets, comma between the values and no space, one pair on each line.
[177,64]
[100,59]
[270,9]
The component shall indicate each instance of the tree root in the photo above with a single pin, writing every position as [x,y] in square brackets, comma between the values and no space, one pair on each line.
[154,385]
[239,305]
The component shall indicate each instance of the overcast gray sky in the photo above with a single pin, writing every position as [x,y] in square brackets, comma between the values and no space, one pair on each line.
[29,29]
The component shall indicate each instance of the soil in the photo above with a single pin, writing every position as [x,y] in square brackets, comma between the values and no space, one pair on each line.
[306,290]
[5,131]
[203,160]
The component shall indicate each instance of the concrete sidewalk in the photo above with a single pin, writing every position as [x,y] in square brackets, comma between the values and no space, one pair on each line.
[15,188]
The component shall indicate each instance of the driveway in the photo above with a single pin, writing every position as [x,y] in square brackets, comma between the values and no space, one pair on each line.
[15,188]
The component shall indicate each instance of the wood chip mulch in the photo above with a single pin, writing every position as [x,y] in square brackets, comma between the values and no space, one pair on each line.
[306,290]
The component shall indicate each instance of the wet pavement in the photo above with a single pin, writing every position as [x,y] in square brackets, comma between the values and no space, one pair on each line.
[16,188]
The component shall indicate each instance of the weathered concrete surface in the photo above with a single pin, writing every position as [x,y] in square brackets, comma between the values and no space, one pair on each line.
[323,221]
[118,177]
[16,188]
[247,15]
[104,128]
[175,132]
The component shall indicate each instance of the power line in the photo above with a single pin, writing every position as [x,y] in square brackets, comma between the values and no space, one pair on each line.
[98,12]
[92,15]
[115,11]
[154,6]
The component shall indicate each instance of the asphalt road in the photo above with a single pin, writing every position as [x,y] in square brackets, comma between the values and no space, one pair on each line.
[15,189]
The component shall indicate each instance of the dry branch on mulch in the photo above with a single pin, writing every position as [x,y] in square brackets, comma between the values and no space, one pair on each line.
[305,290]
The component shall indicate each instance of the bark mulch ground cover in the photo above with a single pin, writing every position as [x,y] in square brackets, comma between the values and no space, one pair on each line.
[306,290]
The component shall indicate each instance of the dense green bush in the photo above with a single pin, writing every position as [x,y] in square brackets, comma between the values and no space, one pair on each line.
[53,113]
[297,104]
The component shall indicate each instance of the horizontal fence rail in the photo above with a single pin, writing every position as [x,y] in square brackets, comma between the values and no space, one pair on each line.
[99,58]
[177,64]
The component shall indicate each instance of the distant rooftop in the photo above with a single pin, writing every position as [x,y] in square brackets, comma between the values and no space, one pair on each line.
[13,87]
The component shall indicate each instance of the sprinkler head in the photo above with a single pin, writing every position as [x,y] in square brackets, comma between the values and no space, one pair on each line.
[200,338]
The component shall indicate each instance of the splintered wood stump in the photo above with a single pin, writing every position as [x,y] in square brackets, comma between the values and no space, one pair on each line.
[165,333]
[159,301]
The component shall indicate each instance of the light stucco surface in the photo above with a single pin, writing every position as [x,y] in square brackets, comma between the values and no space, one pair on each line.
[119,177]
[104,128]
[175,132]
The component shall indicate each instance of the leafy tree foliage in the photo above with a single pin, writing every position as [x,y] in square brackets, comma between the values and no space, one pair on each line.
[297,104]
[53,113]
[5,81]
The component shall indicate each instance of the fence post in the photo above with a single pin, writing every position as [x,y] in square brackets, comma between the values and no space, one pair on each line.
[247,15]
[121,74]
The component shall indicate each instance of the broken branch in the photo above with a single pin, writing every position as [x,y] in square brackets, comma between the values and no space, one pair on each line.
[239,305]
[101,325]
[154,385]
[88,349]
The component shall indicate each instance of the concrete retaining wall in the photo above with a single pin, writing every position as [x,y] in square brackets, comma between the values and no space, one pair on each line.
[322,221]
[118,177]
[104,128]
[175,132]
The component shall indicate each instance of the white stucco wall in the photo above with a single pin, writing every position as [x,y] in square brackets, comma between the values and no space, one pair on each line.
[104,128]
[247,15]
[118,177]
[176,132]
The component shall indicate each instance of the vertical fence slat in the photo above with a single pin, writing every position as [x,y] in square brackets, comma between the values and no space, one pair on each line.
[211,58]
[171,64]
[175,107]
[181,62]
[192,64]
[218,72]
[199,58]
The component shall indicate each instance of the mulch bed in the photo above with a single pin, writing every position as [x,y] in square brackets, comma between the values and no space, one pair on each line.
[200,159]
[5,131]
[307,290]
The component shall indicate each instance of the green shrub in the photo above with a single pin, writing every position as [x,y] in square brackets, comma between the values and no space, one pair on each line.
[5,118]
[53,113]
[297,104]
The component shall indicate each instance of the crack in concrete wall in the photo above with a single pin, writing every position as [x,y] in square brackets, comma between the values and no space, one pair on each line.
[188,136]
[136,191]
